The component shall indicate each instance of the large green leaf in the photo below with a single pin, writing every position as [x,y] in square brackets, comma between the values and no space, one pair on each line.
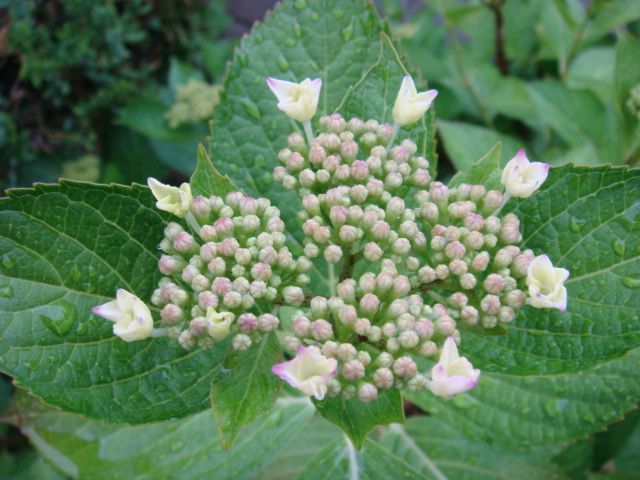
[560,376]
[339,42]
[244,387]
[64,249]
[357,419]
[206,180]
[187,448]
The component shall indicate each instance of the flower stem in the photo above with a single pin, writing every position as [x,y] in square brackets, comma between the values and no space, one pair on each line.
[308,132]
[192,222]
[159,332]
[332,281]
[396,127]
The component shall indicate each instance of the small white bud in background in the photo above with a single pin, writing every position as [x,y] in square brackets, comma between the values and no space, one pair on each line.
[467,281]
[477,192]
[172,229]
[347,290]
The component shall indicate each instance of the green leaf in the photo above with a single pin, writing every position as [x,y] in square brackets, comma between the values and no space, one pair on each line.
[592,69]
[557,377]
[64,249]
[206,180]
[356,418]
[428,448]
[485,171]
[336,41]
[626,76]
[375,94]
[189,448]
[465,143]
[611,14]
[624,461]
[243,387]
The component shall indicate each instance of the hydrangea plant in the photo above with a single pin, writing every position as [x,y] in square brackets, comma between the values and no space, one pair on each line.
[332,264]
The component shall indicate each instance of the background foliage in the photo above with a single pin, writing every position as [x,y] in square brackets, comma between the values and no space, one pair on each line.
[559,391]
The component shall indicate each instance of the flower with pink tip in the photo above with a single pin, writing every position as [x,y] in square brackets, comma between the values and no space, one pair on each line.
[452,374]
[298,100]
[309,371]
[521,177]
[132,317]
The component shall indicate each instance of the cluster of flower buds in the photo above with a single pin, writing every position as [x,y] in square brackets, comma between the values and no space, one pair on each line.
[417,261]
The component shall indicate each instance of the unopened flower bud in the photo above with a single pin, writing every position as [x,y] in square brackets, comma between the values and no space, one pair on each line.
[333,254]
[492,224]
[442,272]
[489,321]
[480,262]
[321,330]
[241,342]
[183,242]
[516,298]
[171,314]
[405,367]
[367,392]
[353,370]
[445,325]
[267,322]
[490,304]
[428,349]
[383,378]
[362,326]
[494,283]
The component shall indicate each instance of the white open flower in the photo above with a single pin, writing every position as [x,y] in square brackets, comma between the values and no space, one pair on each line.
[410,105]
[171,199]
[132,317]
[298,100]
[309,372]
[452,374]
[521,177]
[218,323]
[546,284]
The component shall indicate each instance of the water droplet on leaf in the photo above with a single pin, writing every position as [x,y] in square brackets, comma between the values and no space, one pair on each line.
[6,291]
[290,42]
[576,224]
[300,4]
[347,33]
[618,247]
[7,262]
[59,317]
[631,281]
[251,108]
[283,65]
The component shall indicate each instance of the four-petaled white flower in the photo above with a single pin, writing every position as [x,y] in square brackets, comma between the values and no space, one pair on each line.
[132,317]
[218,323]
[298,100]
[309,372]
[410,105]
[521,177]
[546,284]
[171,199]
[452,374]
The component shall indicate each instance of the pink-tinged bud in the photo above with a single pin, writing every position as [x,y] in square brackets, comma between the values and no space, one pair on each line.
[275,224]
[333,254]
[348,234]
[200,283]
[221,285]
[506,314]
[170,265]
[335,123]
[426,275]
[359,170]
[477,192]
[393,180]
[353,370]
[469,315]
[494,283]
[241,284]
[301,326]
[467,281]
[200,208]
[285,259]
[492,224]
[207,299]
[228,247]
[455,250]
[268,255]
[516,298]
[358,193]
[401,286]
[474,240]
[421,177]
[374,163]
[189,272]
[362,326]
[296,142]
[347,314]
[355,125]
[490,240]
[338,215]
[307,178]
[247,323]
[223,226]
[474,222]
[445,325]
[408,339]
[395,207]
[379,151]
[322,176]
[183,242]
[458,267]
[367,392]
[428,349]
[480,262]
[331,163]
[405,367]
[521,264]
[369,304]
[321,330]
[295,162]
[258,289]
[309,227]
[438,192]
[401,246]
[243,256]
[510,233]
[493,200]
[171,314]
[347,290]
[375,187]
[232,299]
[349,150]
[311,250]
[198,326]
[370,217]
[319,307]
[385,133]
[216,266]
[171,230]
[267,323]
[383,378]
[186,340]
[438,243]
[398,307]
[261,271]
[502,258]
[233,199]
[380,230]
[279,173]
[317,155]
[400,154]
[424,328]
[408,229]
[384,282]
[442,272]
[322,234]
[458,299]
[208,233]
[208,251]
[293,295]
[490,304]
[346,352]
